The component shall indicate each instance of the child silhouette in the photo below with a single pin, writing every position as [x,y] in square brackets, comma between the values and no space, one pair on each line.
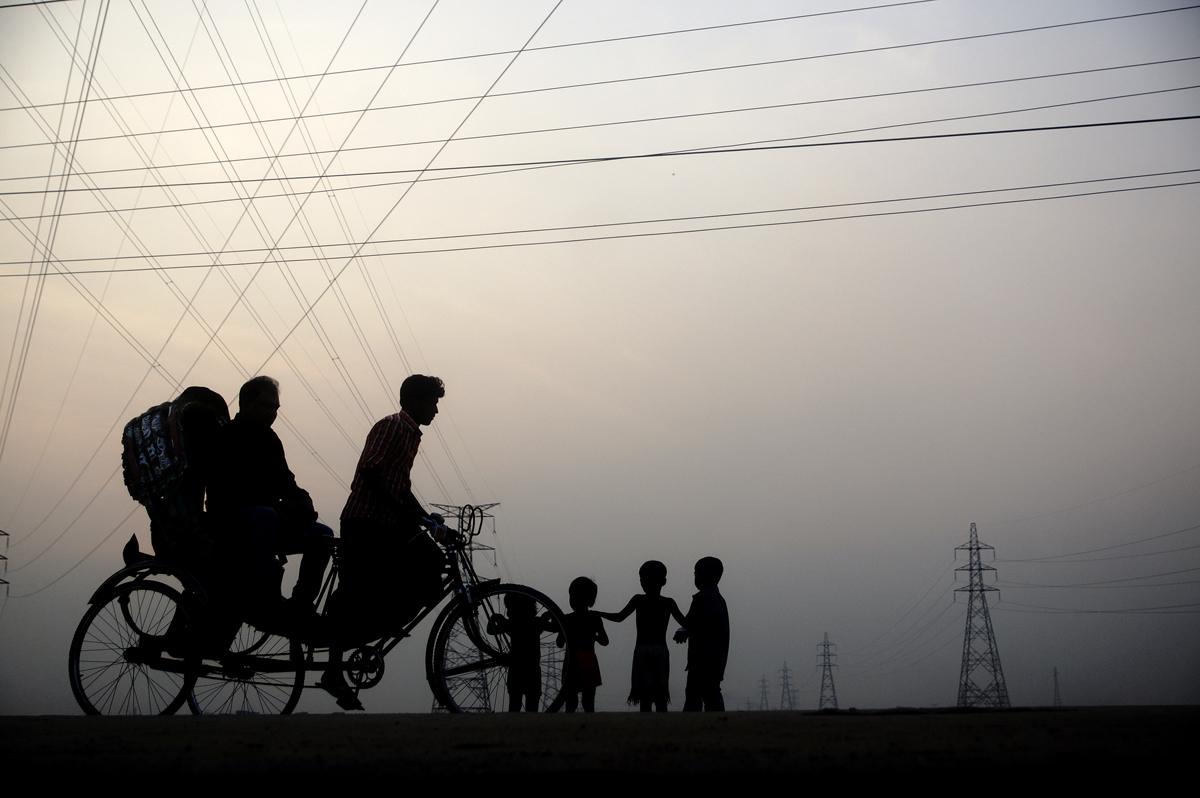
[650,681]
[524,629]
[581,673]
[707,635]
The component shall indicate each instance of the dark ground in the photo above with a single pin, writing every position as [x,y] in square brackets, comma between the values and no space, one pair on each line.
[1092,745]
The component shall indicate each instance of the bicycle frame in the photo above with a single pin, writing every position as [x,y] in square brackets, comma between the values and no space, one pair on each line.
[458,582]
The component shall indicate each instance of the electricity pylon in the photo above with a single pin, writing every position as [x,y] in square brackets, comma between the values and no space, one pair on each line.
[787,693]
[825,657]
[762,694]
[980,679]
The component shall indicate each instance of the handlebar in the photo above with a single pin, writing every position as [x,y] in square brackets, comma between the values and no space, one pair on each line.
[436,525]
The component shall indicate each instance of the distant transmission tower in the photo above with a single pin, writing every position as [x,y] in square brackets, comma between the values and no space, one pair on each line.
[762,694]
[825,657]
[981,679]
[1057,695]
[787,693]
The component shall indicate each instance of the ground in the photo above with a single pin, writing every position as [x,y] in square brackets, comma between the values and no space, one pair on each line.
[1092,745]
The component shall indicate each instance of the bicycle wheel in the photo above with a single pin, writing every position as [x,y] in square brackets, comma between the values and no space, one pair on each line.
[470,662]
[119,659]
[261,674]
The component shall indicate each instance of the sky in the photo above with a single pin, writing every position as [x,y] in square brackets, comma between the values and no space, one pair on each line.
[767,281]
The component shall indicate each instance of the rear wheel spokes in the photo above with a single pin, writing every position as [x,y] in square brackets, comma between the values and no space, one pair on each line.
[119,658]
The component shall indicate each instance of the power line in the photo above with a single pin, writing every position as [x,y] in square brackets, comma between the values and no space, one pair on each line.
[594,225]
[335,189]
[32,3]
[607,159]
[154,365]
[1116,557]
[87,80]
[494,54]
[343,301]
[1030,586]
[82,559]
[395,205]
[1052,557]
[903,647]
[939,645]
[152,359]
[722,111]
[247,104]
[638,78]
[240,299]
[1103,582]
[279,345]
[667,154]
[31,472]
[659,233]
[1124,611]
[894,625]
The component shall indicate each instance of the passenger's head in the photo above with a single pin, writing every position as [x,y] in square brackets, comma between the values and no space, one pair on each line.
[419,396]
[708,572]
[583,593]
[196,401]
[653,575]
[258,400]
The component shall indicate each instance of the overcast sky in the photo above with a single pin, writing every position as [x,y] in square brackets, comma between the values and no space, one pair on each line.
[879,344]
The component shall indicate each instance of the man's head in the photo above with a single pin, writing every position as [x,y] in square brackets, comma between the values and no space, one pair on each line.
[419,396]
[258,400]
[708,572]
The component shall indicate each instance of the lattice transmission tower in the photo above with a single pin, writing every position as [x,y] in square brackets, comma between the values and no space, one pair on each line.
[980,679]
[787,693]
[762,694]
[825,657]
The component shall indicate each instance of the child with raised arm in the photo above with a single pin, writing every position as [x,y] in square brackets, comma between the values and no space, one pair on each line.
[650,683]
[581,672]
[524,629]
[707,634]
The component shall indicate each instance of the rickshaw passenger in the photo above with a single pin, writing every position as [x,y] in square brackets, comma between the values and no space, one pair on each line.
[252,490]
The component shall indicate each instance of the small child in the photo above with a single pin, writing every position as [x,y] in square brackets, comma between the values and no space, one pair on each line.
[581,672]
[524,629]
[651,659]
[706,630]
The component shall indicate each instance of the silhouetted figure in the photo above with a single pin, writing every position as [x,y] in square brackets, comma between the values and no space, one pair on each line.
[585,628]
[650,682]
[524,629]
[706,631]
[252,489]
[169,454]
[390,567]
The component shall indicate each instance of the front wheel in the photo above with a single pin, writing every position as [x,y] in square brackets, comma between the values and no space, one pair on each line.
[501,646]
[126,656]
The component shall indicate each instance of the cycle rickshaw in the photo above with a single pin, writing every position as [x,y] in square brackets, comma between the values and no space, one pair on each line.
[131,653]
